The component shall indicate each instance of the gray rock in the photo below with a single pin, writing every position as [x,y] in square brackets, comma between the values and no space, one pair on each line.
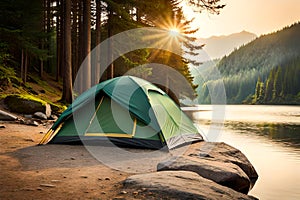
[226,174]
[31,123]
[28,116]
[40,115]
[5,116]
[219,151]
[34,123]
[180,185]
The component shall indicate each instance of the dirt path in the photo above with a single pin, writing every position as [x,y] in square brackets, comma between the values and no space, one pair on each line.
[29,171]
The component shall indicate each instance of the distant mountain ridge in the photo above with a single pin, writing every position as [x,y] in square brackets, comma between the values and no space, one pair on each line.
[266,71]
[219,46]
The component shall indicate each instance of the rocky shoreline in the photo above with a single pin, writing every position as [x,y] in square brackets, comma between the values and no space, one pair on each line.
[222,173]
[204,171]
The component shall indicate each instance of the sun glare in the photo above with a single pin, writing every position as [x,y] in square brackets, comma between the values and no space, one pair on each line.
[174,32]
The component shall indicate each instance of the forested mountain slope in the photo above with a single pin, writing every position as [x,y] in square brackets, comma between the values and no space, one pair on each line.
[266,70]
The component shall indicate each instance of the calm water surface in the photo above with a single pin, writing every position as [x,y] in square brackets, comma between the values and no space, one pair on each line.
[268,135]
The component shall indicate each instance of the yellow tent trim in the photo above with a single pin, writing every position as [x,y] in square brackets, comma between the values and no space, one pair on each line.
[134,127]
[50,134]
[50,131]
[124,135]
[94,115]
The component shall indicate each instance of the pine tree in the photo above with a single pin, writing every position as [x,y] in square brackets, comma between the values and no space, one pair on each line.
[262,93]
[22,33]
[285,84]
[257,89]
[269,87]
[67,78]
[277,85]
[87,77]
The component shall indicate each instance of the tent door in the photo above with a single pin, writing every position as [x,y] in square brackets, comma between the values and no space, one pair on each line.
[111,120]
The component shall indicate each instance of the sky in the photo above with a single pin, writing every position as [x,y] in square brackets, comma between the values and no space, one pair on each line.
[256,16]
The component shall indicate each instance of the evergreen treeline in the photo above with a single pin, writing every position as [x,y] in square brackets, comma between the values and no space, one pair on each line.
[282,85]
[55,36]
[265,71]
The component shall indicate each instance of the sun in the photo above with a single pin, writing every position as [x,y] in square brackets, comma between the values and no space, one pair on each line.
[174,32]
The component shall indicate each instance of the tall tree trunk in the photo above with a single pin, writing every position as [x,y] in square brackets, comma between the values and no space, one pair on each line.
[58,40]
[75,38]
[48,32]
[87,43]
[67,81]
[110,69]
[62,37]
[41,67]
[43,40]
[80,57]
[25,67]
[22,64]
[97,71]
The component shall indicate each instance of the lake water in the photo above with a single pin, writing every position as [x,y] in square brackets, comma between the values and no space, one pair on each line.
[268,135]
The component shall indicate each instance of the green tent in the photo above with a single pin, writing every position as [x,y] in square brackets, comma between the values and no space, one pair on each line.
[128,111]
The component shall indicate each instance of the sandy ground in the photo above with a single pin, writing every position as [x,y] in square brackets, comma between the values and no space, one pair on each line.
[32,171]
[29,171]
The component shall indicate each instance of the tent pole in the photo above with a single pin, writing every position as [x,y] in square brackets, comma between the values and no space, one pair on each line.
[98,107]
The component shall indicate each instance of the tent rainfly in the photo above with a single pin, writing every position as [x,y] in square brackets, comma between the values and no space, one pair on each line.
[127,110]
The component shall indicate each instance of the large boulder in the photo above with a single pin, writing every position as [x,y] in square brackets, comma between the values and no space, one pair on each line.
[40,115]
[5,116]
[27,104]
[218,162]
[222,152]
[178,185]
[226,174]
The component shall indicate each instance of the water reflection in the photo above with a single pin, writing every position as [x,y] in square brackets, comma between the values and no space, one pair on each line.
[269,136]
[280,133]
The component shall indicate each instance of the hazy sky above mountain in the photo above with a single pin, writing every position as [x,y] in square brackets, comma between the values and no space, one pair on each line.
[256,16]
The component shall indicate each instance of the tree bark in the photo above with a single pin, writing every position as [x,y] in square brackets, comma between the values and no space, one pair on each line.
[48,41]
[110,69]
[80,47]
[62,38]
[45,30]
[25,67]
[87,44]
[41,68]
[75,37]
[97,71]
[67,81]
[59,40]
[22,64]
